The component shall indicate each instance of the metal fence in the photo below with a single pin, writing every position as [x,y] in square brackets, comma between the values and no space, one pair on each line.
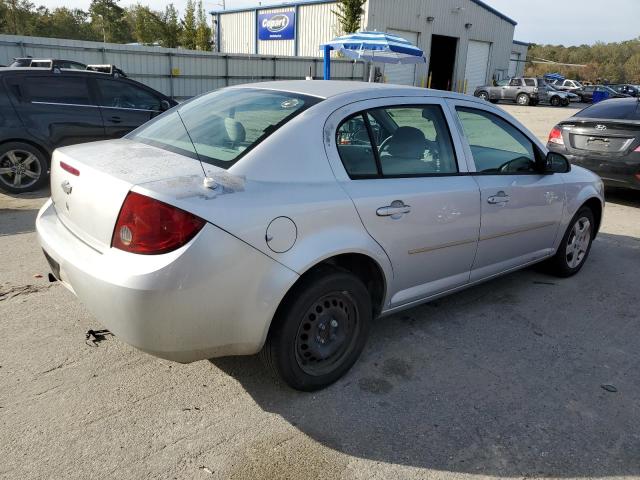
[175,72]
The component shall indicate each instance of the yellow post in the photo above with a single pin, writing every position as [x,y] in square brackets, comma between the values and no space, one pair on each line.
[429,82]
[466,84]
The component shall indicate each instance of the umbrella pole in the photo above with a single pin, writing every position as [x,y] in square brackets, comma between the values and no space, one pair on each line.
[327,62]
[372,72]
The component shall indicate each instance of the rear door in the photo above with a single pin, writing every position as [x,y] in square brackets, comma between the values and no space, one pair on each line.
[521,208]
[58,108]
[124,106]
[405,172]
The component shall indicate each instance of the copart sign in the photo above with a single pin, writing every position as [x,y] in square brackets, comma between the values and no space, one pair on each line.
[276,26]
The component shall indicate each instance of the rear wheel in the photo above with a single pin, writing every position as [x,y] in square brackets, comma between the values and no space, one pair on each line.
[565,102]
[23,167]
[523,99]
[575,246]
[555,101]
[493,101]
[319,330]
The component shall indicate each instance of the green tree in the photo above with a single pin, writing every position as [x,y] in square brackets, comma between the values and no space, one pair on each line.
[203,32]
[349,14]
[170,34]
[189,27]
[108,19]
[19,16]
[146,24]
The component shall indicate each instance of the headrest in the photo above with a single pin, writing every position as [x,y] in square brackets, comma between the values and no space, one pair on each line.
[235,130]
[407,142]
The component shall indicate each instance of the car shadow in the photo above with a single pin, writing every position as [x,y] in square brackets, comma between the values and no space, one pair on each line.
[623,196]
[526,375]
[13,221]
[42,193]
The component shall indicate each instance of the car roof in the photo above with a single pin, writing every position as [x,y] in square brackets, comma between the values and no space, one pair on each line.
[332,88]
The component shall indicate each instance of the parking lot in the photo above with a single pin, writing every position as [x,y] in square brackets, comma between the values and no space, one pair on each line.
[525,376]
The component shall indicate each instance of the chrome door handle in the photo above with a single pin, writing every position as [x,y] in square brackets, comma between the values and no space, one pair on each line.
[499,197]
[395,210]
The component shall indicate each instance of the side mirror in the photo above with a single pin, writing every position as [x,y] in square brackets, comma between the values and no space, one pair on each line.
[556,163]
[164,105]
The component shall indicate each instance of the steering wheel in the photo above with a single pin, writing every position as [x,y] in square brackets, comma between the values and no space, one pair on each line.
[525,165]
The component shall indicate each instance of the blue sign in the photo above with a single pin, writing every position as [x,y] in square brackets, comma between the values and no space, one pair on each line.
[277,26]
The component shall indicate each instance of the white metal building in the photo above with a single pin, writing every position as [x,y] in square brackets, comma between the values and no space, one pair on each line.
[467,43]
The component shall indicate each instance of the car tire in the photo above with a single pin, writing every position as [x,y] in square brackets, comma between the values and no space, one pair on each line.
[555,101]
[494,101]
[575,245]
[319,330]
[23,167]
[566,102]
[483,95]
[523,99]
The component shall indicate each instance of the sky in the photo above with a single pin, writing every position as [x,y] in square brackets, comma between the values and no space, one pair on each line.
[539,21]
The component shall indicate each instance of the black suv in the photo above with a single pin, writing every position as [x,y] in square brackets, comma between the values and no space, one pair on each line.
[43,110]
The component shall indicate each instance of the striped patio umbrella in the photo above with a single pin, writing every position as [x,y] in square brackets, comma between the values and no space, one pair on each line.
[373,47]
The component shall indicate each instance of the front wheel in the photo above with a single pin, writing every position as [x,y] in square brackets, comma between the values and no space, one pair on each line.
[320,330]
[555,101]
[575,246]
[483,96]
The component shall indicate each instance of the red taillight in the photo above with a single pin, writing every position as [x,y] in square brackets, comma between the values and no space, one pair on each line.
[555,136]
[148,226]
[70,169]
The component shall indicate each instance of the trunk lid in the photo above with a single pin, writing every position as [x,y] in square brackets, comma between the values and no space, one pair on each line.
[88,203]
[607,138]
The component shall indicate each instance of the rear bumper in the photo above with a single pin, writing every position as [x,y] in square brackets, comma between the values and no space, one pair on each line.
[215,296]
[620,172]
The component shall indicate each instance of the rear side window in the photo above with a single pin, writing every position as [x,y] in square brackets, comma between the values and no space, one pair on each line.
[59,90]
[613,109]
[529,82]
[116,94]
[396,142]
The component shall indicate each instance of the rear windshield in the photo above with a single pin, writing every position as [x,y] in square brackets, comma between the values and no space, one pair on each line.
[613,109]
[220,127]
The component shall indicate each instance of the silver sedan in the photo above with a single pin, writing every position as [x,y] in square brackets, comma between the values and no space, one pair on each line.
[283,217]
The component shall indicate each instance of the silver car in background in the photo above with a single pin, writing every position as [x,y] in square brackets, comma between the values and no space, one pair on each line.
[283,217]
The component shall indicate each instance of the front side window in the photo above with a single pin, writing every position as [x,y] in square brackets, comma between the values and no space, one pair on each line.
[58,89]
[397,141]
[220,127]
[116,94]
[497,146]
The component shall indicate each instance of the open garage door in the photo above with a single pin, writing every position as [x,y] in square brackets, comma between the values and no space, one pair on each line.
[401,74]
[475,72]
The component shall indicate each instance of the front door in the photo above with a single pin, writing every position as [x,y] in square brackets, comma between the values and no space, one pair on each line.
[405,181]
[124,106]
[521,208]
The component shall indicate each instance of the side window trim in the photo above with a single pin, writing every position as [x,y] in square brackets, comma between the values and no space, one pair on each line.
[372,141]
[454,103]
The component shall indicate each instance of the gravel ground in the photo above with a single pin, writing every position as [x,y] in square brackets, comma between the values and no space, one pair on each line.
[504,379]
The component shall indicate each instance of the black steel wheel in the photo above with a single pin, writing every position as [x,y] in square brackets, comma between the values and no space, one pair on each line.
[319,330]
